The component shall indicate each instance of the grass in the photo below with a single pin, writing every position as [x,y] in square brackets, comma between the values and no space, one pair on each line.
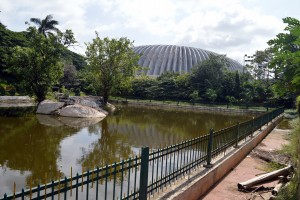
[290,192]
[257,108]
[272,166]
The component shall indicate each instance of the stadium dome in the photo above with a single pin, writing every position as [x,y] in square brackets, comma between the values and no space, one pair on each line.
[163,58]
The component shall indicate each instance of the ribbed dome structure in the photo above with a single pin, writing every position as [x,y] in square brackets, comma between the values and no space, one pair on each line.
[163,58]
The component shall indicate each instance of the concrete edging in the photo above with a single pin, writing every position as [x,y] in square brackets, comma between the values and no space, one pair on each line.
[199,187]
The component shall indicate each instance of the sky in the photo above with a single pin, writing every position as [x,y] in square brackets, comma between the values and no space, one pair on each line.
[231,27]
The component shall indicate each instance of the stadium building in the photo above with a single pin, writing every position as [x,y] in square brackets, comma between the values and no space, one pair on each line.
[163,58]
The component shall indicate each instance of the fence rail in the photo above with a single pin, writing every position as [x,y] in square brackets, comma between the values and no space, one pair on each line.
[145,175]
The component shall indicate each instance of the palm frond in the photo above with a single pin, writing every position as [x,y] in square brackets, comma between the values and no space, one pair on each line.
[36,21]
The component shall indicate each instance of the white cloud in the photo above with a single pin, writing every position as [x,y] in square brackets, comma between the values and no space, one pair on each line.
[232,27]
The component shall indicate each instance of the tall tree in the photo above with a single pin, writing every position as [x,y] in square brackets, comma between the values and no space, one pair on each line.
[111,63]
[46,26]
[38,66]
[286,59]
[237,86]
[208,74]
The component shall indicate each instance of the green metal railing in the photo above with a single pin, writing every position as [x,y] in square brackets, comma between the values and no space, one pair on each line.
[143,176]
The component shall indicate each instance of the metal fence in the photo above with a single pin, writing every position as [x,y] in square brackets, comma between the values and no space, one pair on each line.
[143,176]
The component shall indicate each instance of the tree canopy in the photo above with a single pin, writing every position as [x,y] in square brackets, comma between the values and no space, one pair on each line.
[38,65]
[111,64]
[286,57]
[46,26]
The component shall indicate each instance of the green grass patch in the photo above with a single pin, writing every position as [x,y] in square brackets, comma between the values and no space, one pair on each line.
[290,192]
[272,166]
[182,103]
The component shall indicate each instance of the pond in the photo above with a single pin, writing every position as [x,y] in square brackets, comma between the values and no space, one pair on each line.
[37,147]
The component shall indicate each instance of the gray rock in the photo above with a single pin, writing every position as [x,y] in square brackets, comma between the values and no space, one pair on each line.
[81,111]
[48,107]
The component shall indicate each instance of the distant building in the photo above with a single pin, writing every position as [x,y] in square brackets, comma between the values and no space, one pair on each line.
[173,58]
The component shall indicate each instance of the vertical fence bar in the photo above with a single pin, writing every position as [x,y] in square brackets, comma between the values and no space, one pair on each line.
[114,184]
[135,176]
[129,167]
[87,184]
[52,190]
[106,174]
[38,191]
[65,189]
[97,182]
[237,135]
[144,173]
[122,175]
[77,177]
[23,194]
[252,128]
[209,149]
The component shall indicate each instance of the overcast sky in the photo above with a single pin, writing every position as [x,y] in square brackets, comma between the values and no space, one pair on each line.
[232,27]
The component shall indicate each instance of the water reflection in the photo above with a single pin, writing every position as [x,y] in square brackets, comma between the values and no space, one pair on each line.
[37,145]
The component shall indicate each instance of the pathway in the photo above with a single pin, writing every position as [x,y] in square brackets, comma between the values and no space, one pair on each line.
[248,168]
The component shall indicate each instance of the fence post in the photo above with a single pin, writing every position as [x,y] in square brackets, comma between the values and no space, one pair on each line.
[261,122]
[252,131]
[144,173]
[237,135]
[209,149]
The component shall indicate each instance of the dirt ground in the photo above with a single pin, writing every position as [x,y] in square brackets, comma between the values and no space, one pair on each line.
[252,166]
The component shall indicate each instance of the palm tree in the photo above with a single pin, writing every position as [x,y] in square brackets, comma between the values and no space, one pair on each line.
[46,26]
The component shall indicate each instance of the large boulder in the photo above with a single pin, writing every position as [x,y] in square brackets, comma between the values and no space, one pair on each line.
[80,111]
[49,107]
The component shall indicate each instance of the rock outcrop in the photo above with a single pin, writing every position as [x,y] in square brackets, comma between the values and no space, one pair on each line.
[48,107]
[77,110]
[79,107]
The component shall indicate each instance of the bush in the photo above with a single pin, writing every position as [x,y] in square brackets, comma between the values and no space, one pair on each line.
[298,105]
[2,90]
[11,90]
[291,191]
[77,92]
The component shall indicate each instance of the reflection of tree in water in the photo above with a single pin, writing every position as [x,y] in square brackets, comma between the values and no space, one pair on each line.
[110,147]
[26,145]
[156,127]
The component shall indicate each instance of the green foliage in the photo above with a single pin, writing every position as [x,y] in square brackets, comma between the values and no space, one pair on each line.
[11,39]
[291,191]
[37,66]
[8,40]
[211,95]
[298,105]
[10,90]
[46,26]
[237,86]
[209,74]
[286,59]
[111,64]
[2,90]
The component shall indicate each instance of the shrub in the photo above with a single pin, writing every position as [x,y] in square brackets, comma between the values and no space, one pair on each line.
[11,90]
[2,90]
[298,105]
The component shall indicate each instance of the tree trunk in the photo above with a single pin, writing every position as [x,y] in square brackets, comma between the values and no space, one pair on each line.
[266,177]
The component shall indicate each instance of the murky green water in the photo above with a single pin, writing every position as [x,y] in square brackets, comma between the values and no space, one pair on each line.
[35,147]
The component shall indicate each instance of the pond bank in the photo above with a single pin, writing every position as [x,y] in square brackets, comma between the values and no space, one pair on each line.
[188,107]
